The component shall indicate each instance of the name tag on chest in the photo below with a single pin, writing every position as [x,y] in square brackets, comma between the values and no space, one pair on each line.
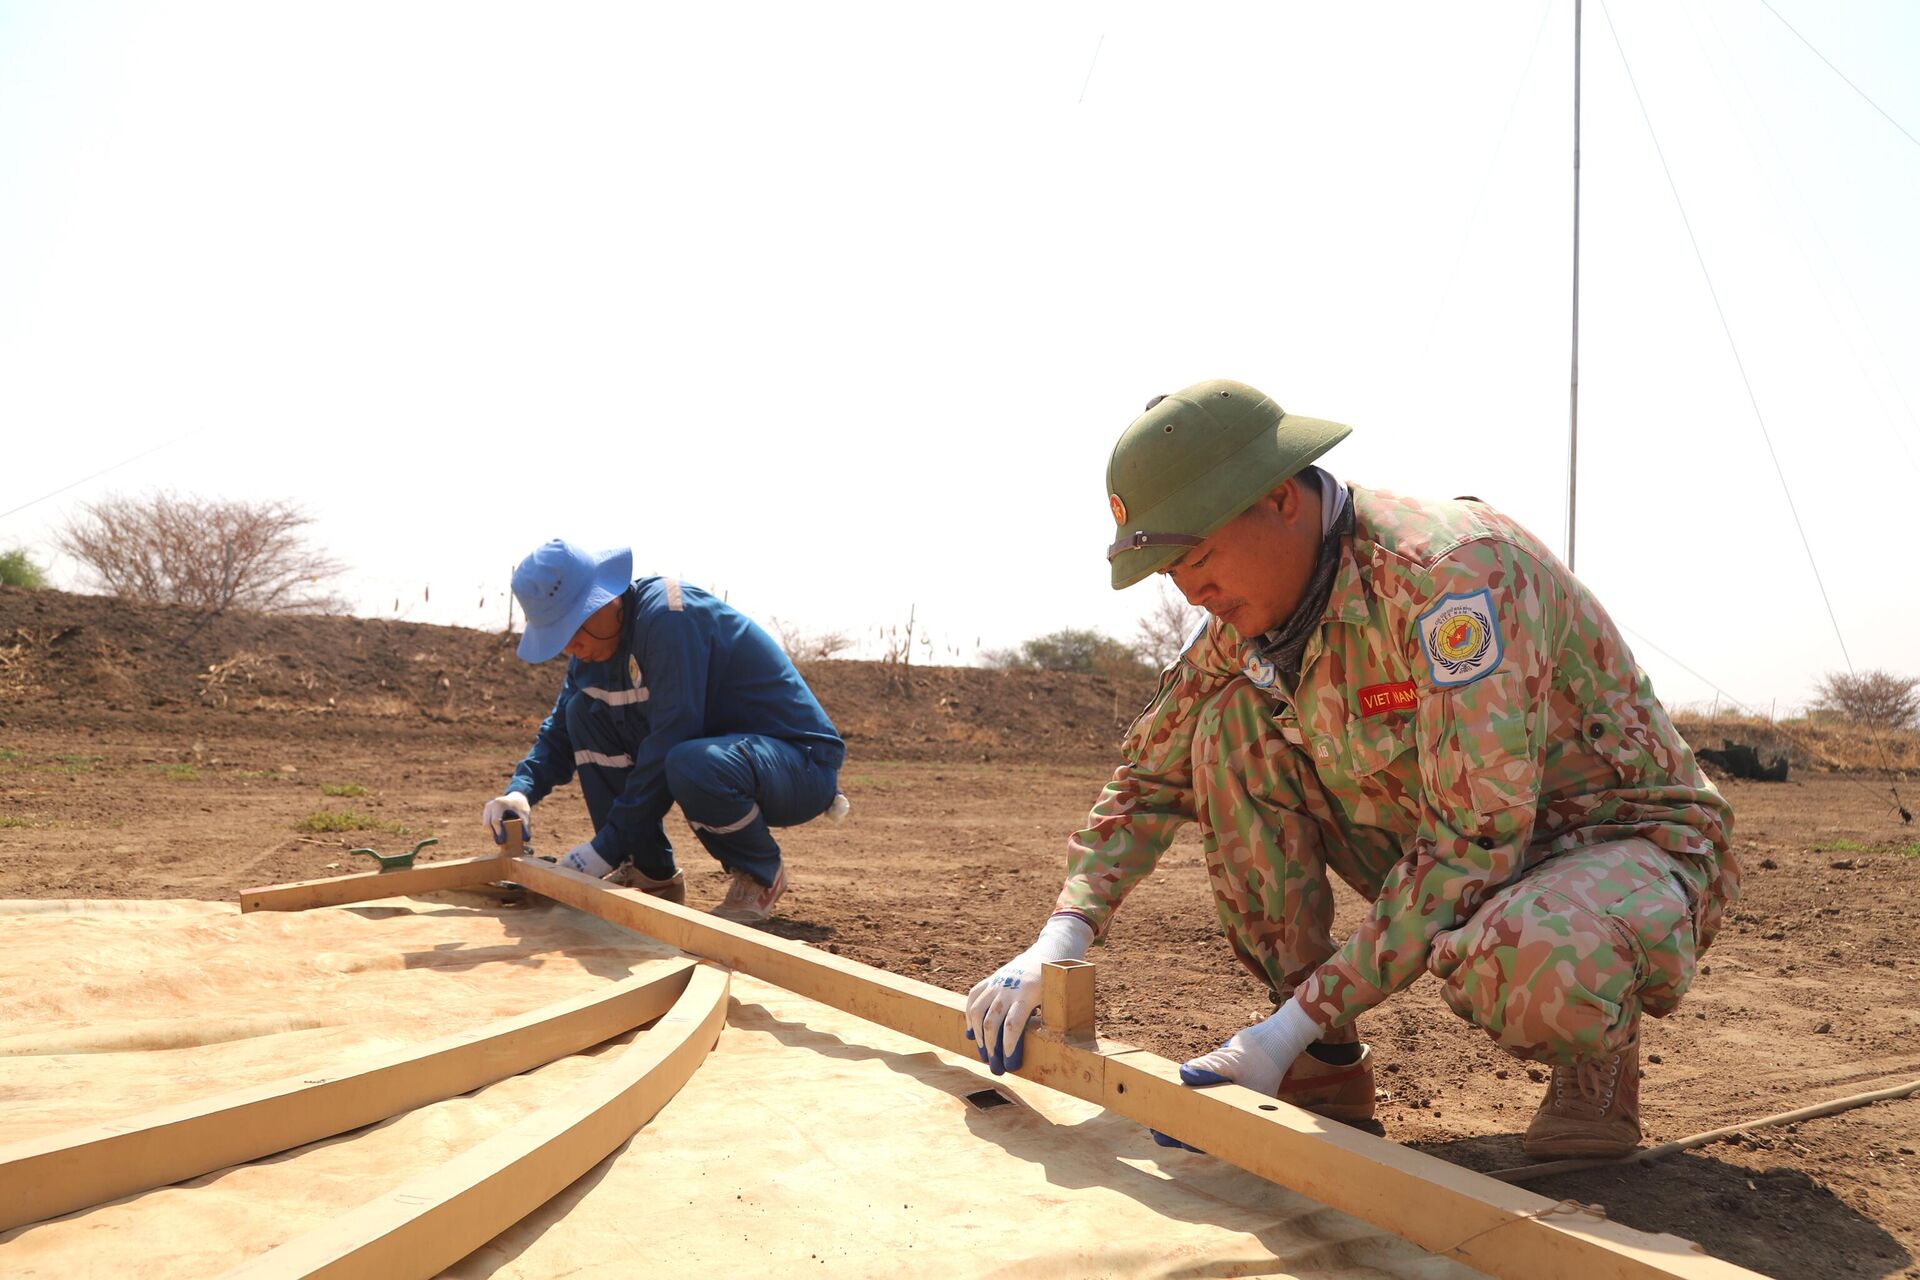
[1379,699]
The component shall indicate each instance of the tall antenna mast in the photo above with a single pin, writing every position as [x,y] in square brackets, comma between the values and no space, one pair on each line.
[1573,385]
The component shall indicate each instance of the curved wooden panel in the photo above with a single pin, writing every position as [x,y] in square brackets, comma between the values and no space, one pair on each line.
[59,1173]
[426,1225]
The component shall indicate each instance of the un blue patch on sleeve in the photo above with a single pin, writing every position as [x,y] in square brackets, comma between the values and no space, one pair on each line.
[1461,638]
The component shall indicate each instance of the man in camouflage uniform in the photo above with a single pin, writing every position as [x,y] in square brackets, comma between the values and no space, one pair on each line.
[1420,698]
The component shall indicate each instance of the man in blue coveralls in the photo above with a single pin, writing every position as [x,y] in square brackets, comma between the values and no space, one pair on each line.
[670,697]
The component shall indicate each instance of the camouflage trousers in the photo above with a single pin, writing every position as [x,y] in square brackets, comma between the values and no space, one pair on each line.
[1555,967]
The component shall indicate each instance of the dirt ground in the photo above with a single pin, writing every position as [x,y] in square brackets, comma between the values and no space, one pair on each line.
[144,755]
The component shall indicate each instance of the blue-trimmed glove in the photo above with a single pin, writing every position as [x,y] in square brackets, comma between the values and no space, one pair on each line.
[1256,1058]
[500,808]
[998,1006]
[586,859]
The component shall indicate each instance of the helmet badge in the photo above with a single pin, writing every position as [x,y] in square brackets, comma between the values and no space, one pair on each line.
[1119,508]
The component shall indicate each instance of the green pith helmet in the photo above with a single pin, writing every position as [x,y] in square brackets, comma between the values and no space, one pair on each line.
[1195,460]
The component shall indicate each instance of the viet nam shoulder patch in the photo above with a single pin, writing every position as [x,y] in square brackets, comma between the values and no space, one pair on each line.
[1461,638]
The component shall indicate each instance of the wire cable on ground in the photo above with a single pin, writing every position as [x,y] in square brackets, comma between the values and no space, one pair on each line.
[1843,75]
[1527,1172]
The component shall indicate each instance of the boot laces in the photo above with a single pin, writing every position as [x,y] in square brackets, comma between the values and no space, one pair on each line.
[1595,1079]
[743,890]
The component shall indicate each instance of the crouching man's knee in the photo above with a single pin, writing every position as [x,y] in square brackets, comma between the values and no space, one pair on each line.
[1558,967]
[705,772]
[594,732]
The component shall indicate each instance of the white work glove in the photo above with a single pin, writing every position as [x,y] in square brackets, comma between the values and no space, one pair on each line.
[586,859]
[500,808]
[1259,1056]
[1256,1058]
[998,1006]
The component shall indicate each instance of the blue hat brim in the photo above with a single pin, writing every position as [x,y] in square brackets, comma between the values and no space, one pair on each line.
[612,575]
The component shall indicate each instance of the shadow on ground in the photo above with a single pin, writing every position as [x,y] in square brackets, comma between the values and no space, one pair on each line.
[1779,1222]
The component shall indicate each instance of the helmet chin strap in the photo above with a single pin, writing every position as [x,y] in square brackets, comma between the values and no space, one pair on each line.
[1141,538]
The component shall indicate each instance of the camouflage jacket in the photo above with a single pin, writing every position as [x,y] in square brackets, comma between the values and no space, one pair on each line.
[1465,695]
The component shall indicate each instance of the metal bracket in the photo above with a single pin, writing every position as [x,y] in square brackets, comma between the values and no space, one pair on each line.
[396,861]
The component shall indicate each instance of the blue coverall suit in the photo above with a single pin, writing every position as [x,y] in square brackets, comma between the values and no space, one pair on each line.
[698,706]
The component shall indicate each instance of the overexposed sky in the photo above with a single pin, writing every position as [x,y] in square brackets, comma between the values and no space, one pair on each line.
[839,308]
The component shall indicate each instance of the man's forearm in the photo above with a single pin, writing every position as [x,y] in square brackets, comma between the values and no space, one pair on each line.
[1128,830]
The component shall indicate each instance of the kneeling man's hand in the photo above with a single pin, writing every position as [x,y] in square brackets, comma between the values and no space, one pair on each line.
[998,1006]
[586,859]
[500,808]
[1258,1057]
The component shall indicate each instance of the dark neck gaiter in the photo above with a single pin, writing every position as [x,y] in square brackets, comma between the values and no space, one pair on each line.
[1286,644]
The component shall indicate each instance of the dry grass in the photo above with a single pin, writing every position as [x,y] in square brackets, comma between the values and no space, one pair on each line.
[1823,745]
[178,772]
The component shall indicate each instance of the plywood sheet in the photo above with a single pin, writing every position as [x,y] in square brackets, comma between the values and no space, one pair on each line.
[809,1142]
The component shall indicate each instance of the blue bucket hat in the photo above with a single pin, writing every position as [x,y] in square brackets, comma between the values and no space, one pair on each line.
[559,587]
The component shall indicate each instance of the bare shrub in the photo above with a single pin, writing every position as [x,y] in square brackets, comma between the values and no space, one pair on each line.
[206,553]
[825,644]
[1877,698]
[802,647]
[897,652]
[1162,635]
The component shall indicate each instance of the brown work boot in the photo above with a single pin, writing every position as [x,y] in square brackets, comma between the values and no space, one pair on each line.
[1591,1109]
[672,889]
[1338,1092]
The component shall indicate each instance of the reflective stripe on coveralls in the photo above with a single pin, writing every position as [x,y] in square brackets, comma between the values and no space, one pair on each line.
[710,675]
